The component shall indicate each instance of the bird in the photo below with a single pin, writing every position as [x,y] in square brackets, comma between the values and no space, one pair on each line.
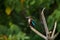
[31,22]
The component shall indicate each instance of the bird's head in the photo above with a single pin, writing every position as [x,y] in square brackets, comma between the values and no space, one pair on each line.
[29,17]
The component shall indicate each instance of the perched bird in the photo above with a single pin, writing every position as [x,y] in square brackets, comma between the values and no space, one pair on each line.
[31,21]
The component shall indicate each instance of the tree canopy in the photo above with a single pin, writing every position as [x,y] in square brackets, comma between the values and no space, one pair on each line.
[13,22]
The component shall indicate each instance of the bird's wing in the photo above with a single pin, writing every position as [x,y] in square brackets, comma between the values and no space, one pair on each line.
[33,22]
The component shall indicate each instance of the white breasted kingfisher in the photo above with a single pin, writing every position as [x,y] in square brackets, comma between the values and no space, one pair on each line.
[31,21]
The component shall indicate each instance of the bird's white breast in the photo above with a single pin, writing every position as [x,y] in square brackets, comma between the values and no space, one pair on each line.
[29,21]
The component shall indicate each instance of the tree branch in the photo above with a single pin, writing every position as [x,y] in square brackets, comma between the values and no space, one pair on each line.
[55,35]
[38,33]
[54,29]
[44,22]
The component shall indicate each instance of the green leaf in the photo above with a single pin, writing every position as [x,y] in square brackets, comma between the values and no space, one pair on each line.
[50,22]
[56,14]
[14,4]
[3,29]
[58,26]
[33,2]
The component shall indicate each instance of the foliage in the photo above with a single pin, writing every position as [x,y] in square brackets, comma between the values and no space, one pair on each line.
[14,25]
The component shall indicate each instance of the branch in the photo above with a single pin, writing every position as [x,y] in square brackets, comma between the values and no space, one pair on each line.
[54,29]
[38,33]
[44,22]
[55,35]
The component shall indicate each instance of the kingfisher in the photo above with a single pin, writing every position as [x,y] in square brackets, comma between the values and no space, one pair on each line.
[31,21]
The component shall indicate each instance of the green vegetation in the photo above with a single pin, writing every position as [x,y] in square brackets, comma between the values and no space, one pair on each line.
[14,25]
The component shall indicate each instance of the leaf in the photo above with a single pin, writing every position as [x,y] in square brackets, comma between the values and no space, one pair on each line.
[14,4]
[3,29]
[53,17]
[22,36]
[56,14]
[32,3]
[58,27]
[50,22]
[8,10]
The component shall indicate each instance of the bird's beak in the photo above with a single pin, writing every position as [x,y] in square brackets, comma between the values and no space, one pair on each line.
[27,17]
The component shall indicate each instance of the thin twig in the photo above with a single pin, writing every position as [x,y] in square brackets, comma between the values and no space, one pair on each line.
[44,22]
[38,33]
[55,35]
[54,29]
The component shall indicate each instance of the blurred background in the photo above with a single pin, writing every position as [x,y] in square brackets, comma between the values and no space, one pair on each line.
[14,25]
